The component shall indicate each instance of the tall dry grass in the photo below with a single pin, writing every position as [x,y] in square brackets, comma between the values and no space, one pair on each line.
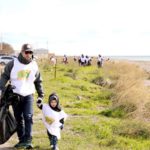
[131,94]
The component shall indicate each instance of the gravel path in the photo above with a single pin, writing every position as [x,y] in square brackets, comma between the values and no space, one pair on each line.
[7,145]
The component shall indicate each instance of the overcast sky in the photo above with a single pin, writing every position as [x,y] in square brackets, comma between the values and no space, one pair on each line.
[73,27]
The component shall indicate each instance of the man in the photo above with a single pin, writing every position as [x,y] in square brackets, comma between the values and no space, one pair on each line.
[24,75]
[100,60]
[82,60]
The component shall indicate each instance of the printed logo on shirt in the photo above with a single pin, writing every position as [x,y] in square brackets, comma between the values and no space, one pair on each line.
[23,74]
[49,120]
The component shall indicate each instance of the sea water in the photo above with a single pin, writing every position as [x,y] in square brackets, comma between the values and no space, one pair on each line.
[134,58]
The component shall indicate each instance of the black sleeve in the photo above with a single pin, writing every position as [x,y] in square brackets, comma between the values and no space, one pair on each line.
[61,120]
[38,85]
[5,77]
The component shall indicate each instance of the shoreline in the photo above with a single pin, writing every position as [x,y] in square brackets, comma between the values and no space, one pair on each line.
[143,64]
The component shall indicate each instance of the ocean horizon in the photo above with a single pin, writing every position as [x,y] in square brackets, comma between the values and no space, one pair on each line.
[134,58]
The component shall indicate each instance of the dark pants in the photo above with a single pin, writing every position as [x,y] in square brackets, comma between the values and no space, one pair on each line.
[53,140]
[23,112]
[99,64]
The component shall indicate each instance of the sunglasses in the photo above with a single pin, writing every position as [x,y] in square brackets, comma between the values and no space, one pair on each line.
[28,52]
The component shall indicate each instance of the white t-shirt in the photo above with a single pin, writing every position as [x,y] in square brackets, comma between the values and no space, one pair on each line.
[54,128]
[22,76]
[82,59]
[100,59]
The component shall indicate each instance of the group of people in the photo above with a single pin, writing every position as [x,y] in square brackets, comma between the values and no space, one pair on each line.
[23,74]
[85,60]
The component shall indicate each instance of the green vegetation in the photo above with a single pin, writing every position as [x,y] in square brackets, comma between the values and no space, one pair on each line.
[101,104]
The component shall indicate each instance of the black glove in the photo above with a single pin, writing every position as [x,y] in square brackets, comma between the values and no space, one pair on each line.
[62,121]
[39,102]
[62,126]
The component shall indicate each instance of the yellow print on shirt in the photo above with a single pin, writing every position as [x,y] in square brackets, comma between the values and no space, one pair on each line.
[49,120]
[23,74]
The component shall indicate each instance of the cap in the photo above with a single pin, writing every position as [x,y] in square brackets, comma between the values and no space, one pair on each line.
[27,47]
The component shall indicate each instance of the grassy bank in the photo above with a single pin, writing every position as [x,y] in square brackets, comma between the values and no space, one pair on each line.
[106,107]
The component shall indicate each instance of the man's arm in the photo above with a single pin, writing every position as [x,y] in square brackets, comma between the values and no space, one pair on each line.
[39,89]
[38,85]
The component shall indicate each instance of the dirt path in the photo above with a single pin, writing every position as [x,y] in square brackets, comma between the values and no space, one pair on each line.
[7,145]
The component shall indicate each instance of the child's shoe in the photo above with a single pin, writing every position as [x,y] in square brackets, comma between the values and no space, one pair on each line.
[51,147]
[57,148]
[28,144]
[54,148]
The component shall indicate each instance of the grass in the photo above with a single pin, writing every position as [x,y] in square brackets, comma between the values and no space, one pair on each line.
[99,113]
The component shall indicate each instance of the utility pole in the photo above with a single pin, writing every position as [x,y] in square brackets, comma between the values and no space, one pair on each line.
[47,45]
[1,46]
[55,70]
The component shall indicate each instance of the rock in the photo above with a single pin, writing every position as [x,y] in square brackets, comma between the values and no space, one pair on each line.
[79,97]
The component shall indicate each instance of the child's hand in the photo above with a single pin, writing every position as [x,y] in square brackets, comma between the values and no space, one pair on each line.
[49,119]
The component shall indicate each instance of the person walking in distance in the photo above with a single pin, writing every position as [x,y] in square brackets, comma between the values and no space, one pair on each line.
[24,75]
[100,60]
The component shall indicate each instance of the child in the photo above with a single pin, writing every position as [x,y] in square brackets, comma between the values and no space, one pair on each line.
[53,118]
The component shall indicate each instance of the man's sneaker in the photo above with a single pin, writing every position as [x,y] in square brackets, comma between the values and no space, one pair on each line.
[24,145]
[29,146]
[18,144]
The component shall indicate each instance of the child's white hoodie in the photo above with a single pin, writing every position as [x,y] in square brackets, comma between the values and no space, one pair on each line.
[54,127]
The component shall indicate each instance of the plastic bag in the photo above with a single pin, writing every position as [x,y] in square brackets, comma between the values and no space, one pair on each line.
[8,125]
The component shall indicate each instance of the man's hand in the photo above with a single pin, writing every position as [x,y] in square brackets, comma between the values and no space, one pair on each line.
[62,122]
[39,102]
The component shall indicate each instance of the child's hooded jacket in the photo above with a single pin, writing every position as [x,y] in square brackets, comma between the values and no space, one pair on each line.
[52,116]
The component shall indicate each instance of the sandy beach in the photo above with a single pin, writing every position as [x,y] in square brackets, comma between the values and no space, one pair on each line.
[143,64]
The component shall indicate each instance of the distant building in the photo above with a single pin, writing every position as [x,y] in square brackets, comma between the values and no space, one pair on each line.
[41,53]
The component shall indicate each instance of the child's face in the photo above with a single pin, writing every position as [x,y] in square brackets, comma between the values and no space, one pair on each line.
[53,103]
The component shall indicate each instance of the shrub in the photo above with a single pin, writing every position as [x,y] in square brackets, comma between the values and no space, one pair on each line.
[133,129]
